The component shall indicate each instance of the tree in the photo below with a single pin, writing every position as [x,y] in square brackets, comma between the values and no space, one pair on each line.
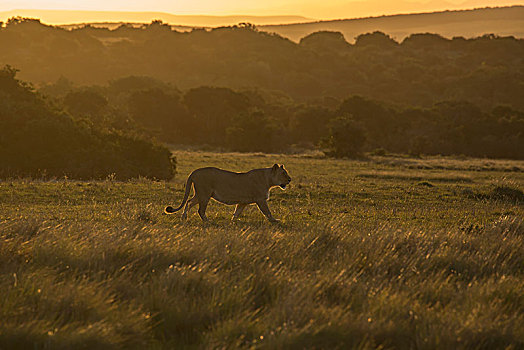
[86,103]
[377,39]
[377,119]
[253,132]
[213,108]
[162,114]
[309,124]
[345,139]
[326,41]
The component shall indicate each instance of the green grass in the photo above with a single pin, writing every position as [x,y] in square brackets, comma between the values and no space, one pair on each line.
[390,252]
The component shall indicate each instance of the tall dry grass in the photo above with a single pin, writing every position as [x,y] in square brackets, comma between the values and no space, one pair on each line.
[333,286]
[369,255]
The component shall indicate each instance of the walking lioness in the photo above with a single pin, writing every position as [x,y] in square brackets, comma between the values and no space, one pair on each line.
[232,188]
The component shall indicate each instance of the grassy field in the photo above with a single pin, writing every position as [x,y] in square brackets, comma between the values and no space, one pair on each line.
[389,252]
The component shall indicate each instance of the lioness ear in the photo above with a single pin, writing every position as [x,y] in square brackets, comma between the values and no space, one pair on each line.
[275,167]
[282,166]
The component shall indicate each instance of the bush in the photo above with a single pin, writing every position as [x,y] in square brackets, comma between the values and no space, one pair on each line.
[40,141]
[380,152]
[510,194]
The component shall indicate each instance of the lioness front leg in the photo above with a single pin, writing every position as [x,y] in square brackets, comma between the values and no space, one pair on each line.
[238,211]
[262,205]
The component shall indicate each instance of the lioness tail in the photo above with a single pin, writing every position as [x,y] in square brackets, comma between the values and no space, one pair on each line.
[169,209]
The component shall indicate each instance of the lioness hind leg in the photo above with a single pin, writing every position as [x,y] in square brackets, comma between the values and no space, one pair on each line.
[202,205]
[238,211]
[190,204]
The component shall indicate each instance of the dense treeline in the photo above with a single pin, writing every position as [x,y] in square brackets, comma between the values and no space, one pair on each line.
[38,139]
[258,120]
[420,71]
[426,95]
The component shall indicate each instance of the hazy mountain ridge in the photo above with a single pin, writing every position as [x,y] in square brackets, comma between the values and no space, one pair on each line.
[56,17]
[376,8]
[504,21]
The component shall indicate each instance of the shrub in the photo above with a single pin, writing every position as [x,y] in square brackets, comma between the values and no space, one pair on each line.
[504,192]
[379,152]
[38,140]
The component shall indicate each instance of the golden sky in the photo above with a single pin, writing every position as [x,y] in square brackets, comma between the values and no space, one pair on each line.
[327,9]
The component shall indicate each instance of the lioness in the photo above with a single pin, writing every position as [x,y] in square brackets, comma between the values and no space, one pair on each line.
[232,188]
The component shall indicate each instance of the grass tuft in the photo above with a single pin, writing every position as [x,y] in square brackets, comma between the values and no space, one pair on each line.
[507,193]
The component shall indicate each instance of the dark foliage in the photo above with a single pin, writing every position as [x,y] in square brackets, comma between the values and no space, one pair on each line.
[253,132]
[213,109]
[440,96]
[162,113]
[309,124]
[419,71]
[264,121]
[346,138]
[37,139]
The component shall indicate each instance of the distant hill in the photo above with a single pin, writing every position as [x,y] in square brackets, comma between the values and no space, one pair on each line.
[58,17]
[503,21]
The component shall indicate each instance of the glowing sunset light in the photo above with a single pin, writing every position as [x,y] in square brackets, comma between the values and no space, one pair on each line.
[330,9]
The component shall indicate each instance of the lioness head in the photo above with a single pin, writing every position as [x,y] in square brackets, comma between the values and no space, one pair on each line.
[280,176]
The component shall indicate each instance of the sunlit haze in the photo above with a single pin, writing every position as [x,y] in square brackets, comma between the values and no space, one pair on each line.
[312,9]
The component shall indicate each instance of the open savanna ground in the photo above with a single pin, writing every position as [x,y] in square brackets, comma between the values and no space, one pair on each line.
[396,252]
